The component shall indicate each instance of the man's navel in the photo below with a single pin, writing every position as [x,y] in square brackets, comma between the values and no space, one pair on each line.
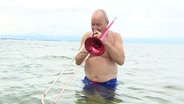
[95,78]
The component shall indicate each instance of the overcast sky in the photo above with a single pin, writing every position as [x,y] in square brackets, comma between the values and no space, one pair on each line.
[136,18]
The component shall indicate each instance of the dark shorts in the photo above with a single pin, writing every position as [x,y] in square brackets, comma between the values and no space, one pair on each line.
[110,84]
[105,89]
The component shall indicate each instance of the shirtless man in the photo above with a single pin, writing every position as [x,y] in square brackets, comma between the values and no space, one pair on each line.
[101,69]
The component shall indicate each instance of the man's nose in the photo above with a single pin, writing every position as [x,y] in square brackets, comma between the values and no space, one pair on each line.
[94,27]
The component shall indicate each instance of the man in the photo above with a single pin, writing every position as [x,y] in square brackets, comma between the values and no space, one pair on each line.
[102,70]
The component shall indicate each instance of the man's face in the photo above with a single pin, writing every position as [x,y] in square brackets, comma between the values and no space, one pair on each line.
[98,22]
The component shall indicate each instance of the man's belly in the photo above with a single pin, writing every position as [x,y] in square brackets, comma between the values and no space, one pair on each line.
[100,69]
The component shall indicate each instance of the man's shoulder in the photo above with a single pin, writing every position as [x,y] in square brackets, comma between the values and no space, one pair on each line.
[87,34]
[115,34]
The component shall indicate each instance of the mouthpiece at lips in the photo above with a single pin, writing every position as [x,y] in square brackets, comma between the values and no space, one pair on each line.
[95,32]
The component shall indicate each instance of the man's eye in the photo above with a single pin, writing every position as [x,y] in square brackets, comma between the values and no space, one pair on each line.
[95,24]
[98,24]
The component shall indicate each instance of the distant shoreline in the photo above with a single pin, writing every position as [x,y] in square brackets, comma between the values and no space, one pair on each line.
[37,39]
[125,40]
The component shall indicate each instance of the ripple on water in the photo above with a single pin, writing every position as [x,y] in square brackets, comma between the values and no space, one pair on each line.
[157,100]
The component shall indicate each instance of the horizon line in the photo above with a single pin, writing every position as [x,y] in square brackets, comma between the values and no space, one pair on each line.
[77,39]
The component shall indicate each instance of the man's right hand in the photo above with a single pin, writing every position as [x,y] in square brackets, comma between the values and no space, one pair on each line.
[96,33]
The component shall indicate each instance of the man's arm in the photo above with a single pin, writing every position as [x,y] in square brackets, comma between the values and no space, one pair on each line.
[83,53]
[116,50]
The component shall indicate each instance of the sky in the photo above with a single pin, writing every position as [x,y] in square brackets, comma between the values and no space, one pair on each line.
[57,19]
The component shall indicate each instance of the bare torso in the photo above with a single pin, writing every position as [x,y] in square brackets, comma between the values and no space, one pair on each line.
[101,68]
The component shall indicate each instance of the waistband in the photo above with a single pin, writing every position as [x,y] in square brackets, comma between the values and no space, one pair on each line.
[110,83]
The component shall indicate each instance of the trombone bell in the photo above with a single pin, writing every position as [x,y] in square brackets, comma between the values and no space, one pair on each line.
[94,46]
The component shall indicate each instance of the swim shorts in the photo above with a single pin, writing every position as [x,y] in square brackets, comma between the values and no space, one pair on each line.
[105,89]
[111,83]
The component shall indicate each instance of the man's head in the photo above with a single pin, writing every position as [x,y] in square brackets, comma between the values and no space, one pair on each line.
[99,20]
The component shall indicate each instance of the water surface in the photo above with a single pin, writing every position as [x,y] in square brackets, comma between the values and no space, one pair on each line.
[152,74]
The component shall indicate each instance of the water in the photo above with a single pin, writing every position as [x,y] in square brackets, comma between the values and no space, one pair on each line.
[152,73]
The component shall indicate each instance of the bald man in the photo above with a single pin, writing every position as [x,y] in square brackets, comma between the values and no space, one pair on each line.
[102,70]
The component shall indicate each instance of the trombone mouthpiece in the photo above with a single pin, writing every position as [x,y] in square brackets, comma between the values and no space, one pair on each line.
[95,32]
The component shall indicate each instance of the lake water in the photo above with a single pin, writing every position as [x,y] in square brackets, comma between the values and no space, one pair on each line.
[152,74]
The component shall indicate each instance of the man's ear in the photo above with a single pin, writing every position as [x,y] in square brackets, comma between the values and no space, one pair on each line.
[107,22]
